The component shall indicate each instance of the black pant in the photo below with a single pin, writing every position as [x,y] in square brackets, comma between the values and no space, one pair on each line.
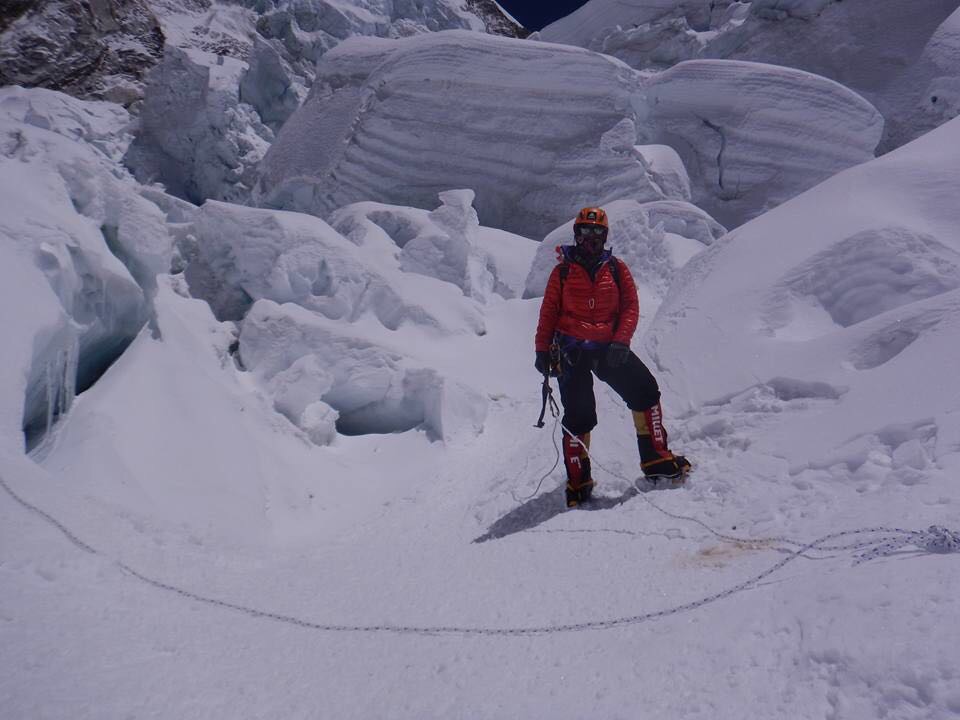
[632,381]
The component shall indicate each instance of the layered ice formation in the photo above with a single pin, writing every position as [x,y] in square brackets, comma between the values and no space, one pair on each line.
[874,47]
[535,131]
[393,121]
[752,136]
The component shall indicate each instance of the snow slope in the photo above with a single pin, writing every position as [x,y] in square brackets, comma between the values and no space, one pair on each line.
[849,285]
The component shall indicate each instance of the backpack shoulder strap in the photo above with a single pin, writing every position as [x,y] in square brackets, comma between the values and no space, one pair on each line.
[615,270]
[563,273]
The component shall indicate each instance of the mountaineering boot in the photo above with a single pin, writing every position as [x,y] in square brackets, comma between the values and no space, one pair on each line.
[577,462]
[656,460]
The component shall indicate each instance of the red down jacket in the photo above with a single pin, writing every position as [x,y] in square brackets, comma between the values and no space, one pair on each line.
[592,309]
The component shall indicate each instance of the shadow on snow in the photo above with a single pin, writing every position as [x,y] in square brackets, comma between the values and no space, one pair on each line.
[548,505]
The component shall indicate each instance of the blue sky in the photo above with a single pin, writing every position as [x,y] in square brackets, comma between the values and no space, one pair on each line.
[534,14]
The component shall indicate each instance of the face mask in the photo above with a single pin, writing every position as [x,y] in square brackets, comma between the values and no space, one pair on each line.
[591,238]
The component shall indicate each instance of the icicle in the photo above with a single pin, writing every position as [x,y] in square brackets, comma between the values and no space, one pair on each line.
[50,388]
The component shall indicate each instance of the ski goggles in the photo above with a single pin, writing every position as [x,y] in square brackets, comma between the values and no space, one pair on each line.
[587,231]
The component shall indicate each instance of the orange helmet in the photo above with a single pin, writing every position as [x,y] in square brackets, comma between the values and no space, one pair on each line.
[592,216]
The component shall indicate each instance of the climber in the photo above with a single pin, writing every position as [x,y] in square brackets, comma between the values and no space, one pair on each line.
[589,313]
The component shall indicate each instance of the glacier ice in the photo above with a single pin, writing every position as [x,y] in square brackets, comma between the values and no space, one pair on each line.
[447,243]
[395,121]
[754,135]
[194,135]
[392,121]
[81,246]
[838,40]
[327,374]
[237,255]
[269,86]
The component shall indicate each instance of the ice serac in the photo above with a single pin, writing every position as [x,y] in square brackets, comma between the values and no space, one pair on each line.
[935,80]
[268,85]
[237,255]
[447,243]
[874,47]
[195,136]
[752,136]
[328,377]
[81,250]
[850,288]
[537,130]
[224,464]
[302,31]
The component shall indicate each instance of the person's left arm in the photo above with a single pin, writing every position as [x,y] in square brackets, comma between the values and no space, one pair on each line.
[629,306]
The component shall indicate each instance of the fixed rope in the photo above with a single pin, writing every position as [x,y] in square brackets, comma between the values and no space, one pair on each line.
[934,540]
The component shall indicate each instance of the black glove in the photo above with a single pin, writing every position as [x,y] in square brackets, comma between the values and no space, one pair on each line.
[617,354]
[543,362]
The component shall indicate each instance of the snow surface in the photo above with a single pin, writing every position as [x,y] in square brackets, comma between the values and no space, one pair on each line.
[848,284]
[193,540]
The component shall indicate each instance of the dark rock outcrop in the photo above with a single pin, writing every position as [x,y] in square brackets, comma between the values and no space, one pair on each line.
[88,48]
